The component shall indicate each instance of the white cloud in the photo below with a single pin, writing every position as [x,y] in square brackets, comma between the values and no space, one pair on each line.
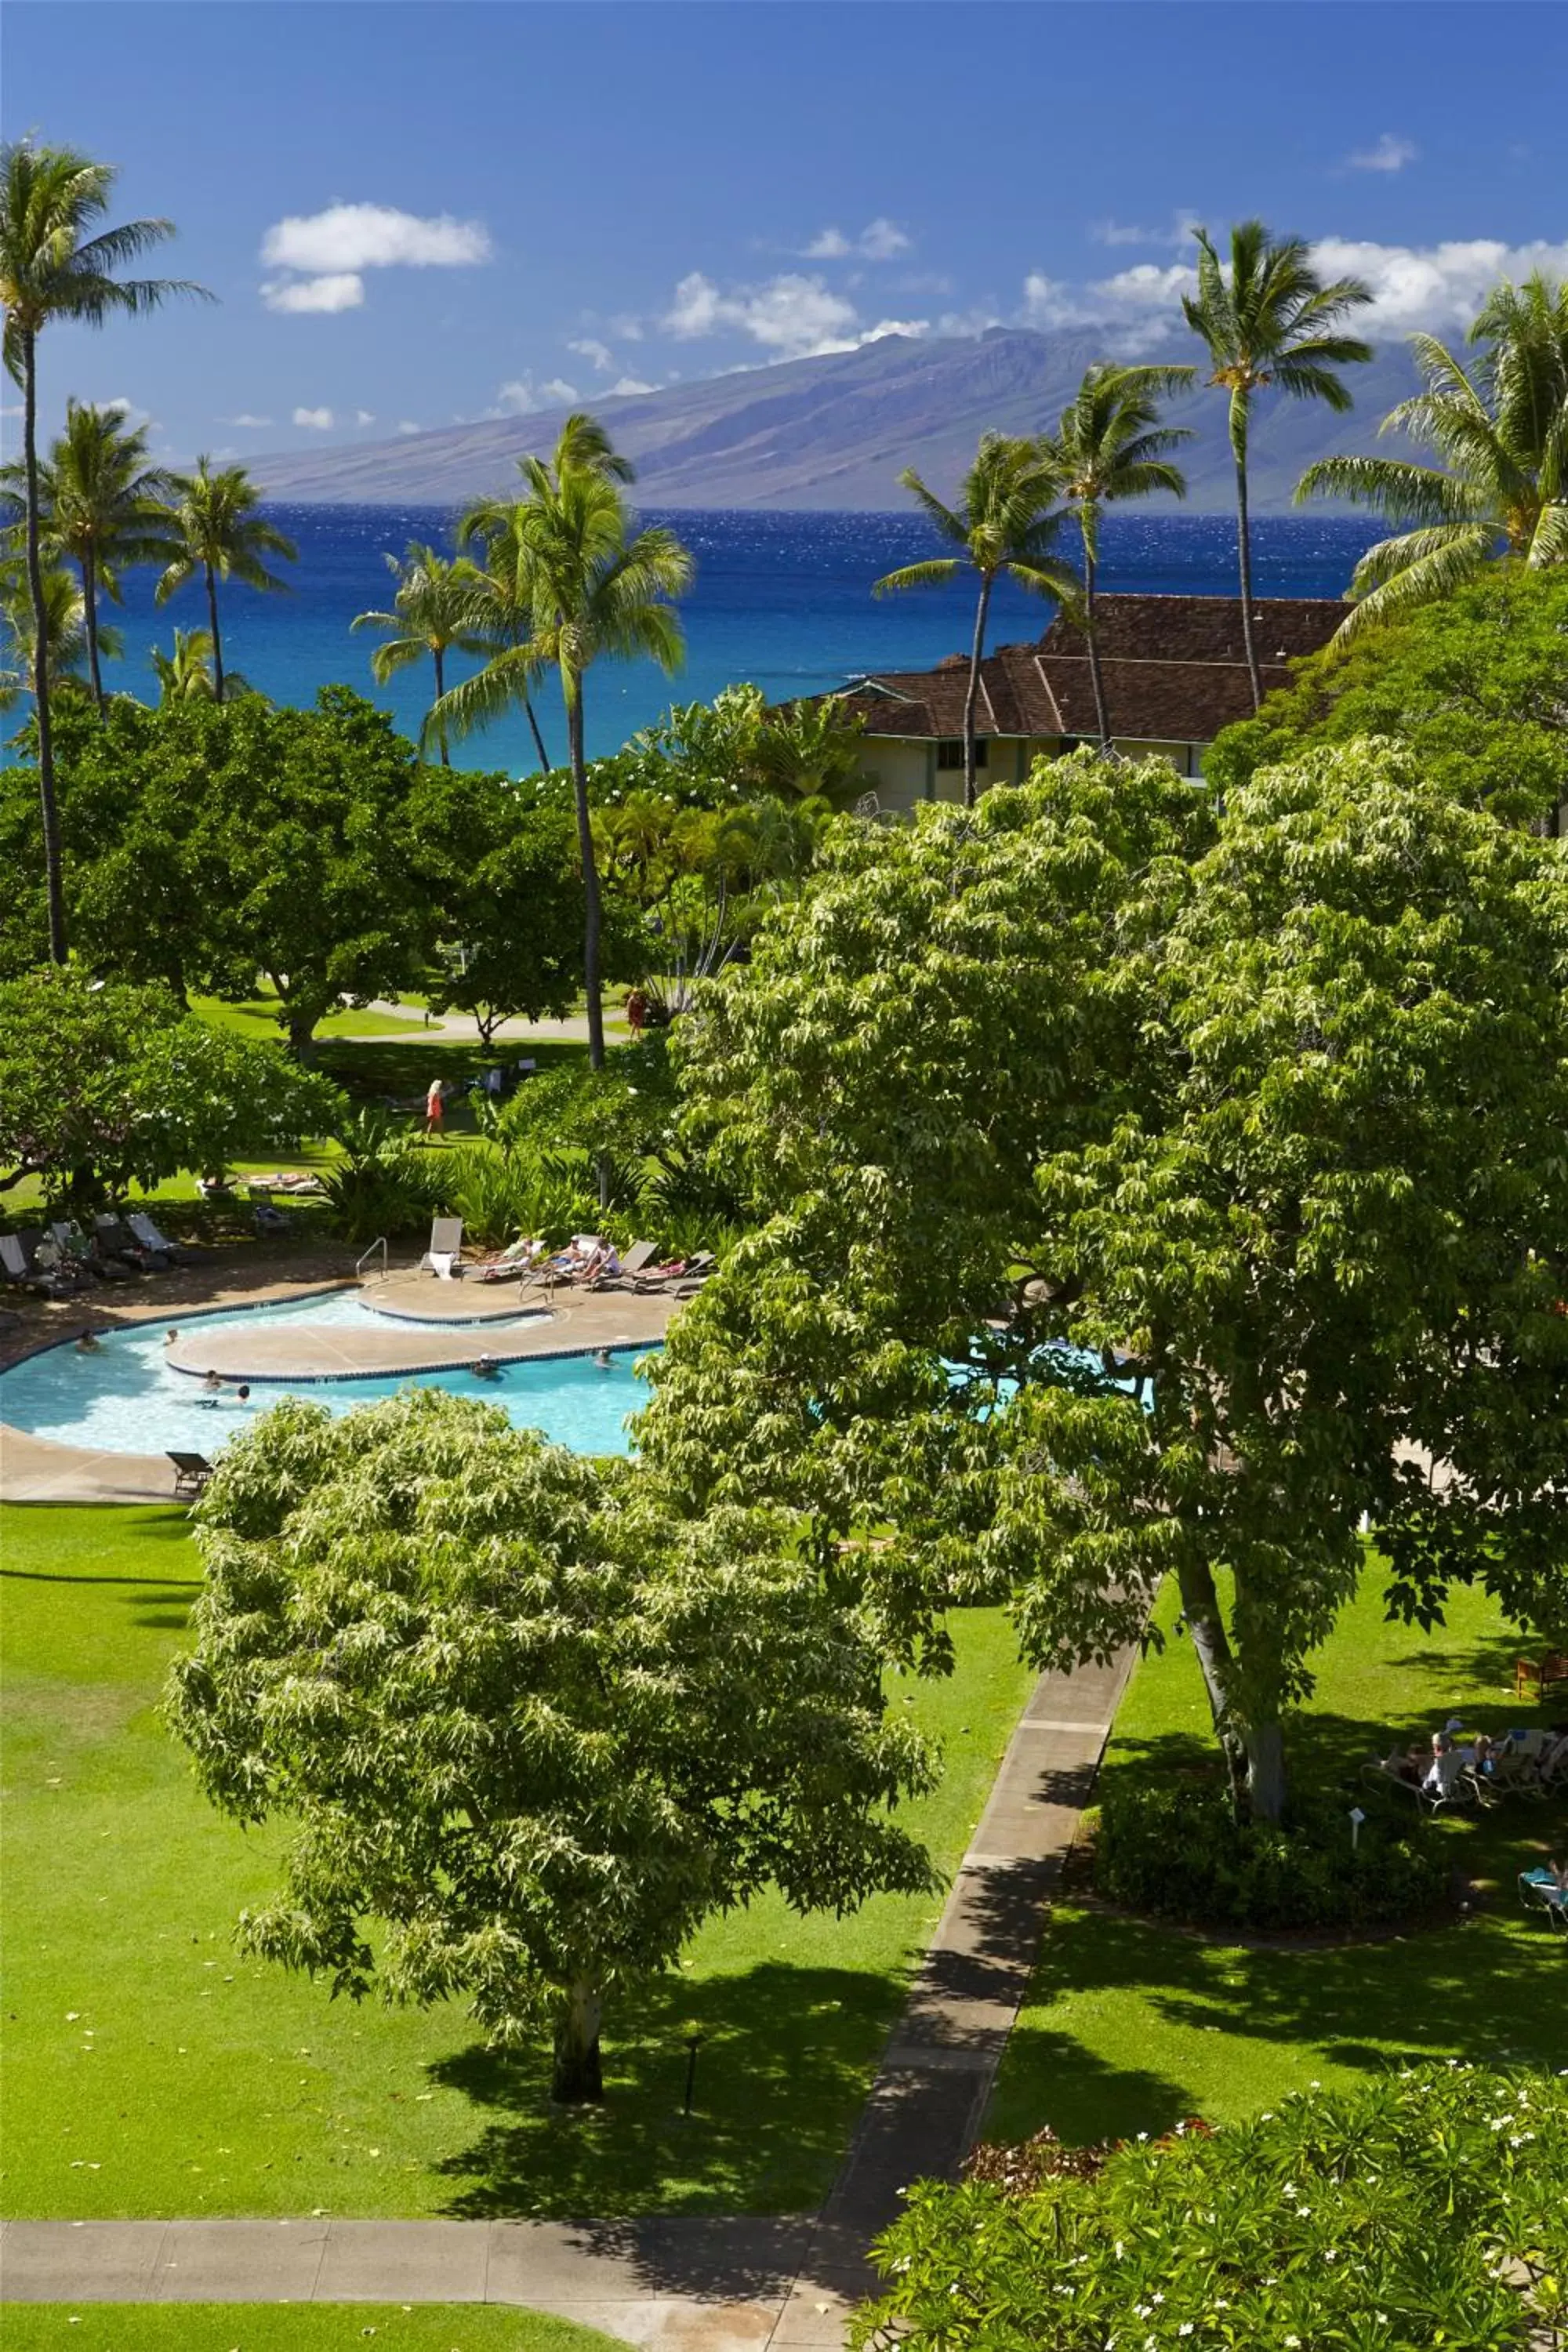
[373,236]
[880,240]
[126,410]
[318,420]
[1436,285]
[628,327]
[406,425]
[626,387]
[522,397]
[598,355]
[791,317]
[364,416]
[1389,153]
[1177,231]
[249,424]
[344,291]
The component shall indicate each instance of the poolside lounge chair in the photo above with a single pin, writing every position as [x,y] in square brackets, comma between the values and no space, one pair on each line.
[515,1263]
[192,1472]
[77,1250]
[697,1270]
[13,1262]
[627,1269]
[47,1263]
[114,1239]
[444,1247]
[151,1239]
[1539,1891]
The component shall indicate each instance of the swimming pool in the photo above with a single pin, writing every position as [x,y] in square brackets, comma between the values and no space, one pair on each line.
[126,1400]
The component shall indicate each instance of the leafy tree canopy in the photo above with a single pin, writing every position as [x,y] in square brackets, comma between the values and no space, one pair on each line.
[530,1727]
[103,1081]
[1476,685]
[1270,1132]
[1426,2208]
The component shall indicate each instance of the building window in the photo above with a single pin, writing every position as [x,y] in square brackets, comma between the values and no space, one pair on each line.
[950,752]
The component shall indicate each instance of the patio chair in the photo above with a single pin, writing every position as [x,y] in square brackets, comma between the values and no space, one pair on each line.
[14,1266]
[113,1238]
[444,1247]
[192,1472]
[1516,1765]
[1542,1672]
[627,1269]
[1450,1785]
[77,1250]
[514,1263]
[1539,1891]
[47,1264]
[157,1243]
[697,1270]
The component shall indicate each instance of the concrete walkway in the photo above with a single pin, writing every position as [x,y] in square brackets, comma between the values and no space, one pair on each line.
[682,2285]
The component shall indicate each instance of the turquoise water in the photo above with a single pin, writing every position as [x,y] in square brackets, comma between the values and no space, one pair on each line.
[126,1400]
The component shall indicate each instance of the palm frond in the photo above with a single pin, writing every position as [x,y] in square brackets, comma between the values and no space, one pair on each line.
[931,573]
[1399,575]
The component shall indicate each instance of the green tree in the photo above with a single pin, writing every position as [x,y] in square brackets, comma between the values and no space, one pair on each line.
[107,1083]
[219,533]
[810,751]
[1270,1134]
[103,507]
[529,1725]
[52,269]
[189,673]
[1108,444]
[1500,433]
[432,616]
[593,589]
[65,635]
[1272,321]
[1006,521]
[1476,685]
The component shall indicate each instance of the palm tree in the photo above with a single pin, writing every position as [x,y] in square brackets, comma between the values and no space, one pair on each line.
[101,506]
[592,588]
[188,675]
[50,268]
[1500,431]
[1005,522]
[808,750]
[432,614]
[1110,445]
[1271,321]
[65,634]
[221,534]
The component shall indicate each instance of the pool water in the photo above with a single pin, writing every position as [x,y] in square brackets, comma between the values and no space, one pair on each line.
[126,1400]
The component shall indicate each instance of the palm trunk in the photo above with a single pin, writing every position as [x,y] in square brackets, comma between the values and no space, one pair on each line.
[538,738]
[971,698]
[440,660]
[1092,642]
[1244,551]
[52,868]
[591,912]
[218,641]
[90,622]
[578,2074]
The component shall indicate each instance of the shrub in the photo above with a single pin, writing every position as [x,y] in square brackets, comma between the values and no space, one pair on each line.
[1179,1852]
[384,1184]
[1425,2209]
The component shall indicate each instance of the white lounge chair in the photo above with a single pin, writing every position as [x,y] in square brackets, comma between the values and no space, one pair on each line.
[445,1248]
[148,1235]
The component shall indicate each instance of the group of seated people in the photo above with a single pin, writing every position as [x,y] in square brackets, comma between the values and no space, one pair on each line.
[1434,1768]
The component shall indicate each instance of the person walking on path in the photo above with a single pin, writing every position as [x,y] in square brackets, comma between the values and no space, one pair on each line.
[637,1014]
[432,1108]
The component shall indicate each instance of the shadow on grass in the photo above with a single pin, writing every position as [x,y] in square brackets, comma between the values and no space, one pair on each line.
[784,2059]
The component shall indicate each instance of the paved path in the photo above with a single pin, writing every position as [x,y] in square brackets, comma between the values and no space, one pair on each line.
[682,2285]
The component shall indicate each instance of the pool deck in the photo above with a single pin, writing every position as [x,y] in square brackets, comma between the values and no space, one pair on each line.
[39,1470]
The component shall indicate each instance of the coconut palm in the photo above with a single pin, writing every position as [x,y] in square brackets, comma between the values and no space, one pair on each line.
[592,588]
[1005,521]
[101,506]
[1110,445]
[51,268]
[1271,320]
[431,616]
[189,673]
[65,634]
[500,611]
[1498,429]
[220,532]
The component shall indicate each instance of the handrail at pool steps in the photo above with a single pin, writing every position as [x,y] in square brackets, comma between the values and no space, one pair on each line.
[379,1243]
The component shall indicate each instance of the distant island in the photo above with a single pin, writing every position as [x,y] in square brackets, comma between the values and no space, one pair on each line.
[833,433]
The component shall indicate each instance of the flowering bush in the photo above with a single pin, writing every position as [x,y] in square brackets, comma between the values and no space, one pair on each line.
[1426,2208]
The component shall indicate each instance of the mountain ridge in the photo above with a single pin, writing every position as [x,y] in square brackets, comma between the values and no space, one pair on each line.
[833,433]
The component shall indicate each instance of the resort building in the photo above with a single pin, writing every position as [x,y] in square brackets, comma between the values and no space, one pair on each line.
[1175,673]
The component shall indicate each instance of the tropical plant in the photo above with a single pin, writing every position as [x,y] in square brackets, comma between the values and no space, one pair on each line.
[1006,521]
[1499,430]
[65,633]
[51,268]
[219,533]
[188,674]
[592,588]
[809,750]
[101,507]
[1271,320]
[1110,444]
[432,615]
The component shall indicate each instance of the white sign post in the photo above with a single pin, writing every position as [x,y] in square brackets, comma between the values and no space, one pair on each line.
[1357,1817]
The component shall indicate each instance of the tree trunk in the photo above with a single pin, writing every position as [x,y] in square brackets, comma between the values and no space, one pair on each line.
[1266,1771]
[302,1036]
[578,2075]
[440,690]
[1211,1643]
[218,641]
[1092,642]
[1244,552]
[90,622]
[52,866]
[538,738]
[971,698]
[590,914]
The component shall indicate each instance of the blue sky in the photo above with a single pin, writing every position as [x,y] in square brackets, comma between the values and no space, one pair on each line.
[420,213]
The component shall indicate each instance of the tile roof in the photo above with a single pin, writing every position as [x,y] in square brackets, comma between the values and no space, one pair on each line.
[1173,667]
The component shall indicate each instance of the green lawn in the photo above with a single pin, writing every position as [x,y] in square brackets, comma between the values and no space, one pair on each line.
[288,2327]
[149,2071]
[257,1017]
[1129,2027]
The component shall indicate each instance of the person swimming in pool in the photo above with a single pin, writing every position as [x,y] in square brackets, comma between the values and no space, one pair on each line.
[486,1369]
[601,1358]
[242,1393]
[212,1384]
[89,1344]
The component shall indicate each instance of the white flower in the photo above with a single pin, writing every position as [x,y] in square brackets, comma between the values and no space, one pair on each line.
[1185,2329]
[1290,2340]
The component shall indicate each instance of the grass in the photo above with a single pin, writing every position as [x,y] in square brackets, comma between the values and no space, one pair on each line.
[257,1017]
[1131,2027]
[150,2071]
[288,2327]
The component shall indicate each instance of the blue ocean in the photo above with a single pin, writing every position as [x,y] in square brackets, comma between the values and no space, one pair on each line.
[784,600]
